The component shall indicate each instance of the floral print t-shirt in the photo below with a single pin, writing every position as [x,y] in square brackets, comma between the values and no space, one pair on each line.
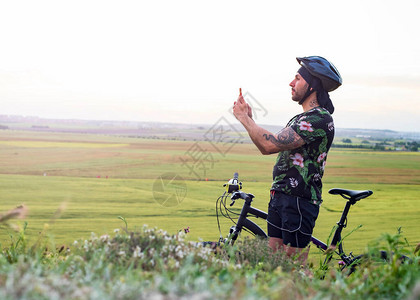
[298,172]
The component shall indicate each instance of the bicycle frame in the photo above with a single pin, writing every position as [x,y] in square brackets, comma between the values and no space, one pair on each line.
[336,243]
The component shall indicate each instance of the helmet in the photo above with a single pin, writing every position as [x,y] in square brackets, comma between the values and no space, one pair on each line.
[324,70]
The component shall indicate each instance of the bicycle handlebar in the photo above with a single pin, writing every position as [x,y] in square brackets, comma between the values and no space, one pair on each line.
[241,195]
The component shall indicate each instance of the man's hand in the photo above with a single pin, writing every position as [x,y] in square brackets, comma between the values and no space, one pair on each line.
[241,109]
[266,142]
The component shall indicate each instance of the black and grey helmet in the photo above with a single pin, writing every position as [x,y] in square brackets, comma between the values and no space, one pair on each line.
[321,68]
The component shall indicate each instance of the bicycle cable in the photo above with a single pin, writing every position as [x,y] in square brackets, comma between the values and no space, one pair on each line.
[227,210]
[224,211]
[217,214]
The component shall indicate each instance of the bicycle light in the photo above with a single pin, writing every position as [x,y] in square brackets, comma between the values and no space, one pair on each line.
[233,184]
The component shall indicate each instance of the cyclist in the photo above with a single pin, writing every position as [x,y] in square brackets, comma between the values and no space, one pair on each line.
[302,148]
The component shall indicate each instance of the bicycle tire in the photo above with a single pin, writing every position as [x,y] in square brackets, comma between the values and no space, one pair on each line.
[254,228]
[353,264]
[382,256]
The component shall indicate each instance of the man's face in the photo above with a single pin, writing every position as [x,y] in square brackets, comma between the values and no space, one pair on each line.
[299,87]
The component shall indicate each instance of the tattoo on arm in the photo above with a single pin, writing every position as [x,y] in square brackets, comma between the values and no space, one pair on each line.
[286,139]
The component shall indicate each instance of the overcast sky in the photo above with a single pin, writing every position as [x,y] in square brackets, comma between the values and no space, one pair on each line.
[184,61]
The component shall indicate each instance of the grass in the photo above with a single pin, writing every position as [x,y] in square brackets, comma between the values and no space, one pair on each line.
[94,206]
[149,263]
[92,180]
[128,168]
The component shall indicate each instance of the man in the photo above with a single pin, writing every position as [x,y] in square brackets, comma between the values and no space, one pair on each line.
[302,148]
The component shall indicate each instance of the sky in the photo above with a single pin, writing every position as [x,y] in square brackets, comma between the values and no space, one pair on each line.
[184,61]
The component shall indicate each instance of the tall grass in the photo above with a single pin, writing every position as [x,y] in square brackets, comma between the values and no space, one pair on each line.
[151,263]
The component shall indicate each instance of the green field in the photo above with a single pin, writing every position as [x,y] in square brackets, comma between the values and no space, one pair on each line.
[97,178]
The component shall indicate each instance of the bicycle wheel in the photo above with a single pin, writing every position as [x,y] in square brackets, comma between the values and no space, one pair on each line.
[352,265]
[247,225]
[254,228]
[381,256]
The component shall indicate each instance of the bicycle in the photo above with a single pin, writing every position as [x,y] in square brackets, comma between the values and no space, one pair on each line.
[243,222]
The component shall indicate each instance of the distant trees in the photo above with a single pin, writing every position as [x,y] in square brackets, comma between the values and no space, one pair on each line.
[381,145]
[413,146]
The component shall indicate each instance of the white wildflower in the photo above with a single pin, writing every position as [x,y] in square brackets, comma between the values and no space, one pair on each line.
[104,238]
[86,245]
[178,252]
[137,252]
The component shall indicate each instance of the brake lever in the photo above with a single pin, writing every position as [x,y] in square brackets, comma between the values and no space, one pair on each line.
[242,195]
[235,195]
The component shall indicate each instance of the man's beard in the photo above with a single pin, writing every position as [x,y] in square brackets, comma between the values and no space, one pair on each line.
[298,95]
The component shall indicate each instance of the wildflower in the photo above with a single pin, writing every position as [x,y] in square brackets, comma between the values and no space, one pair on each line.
[137,252]
[180,236]
[186,230]
[178,252]
[86,245]
[104,238]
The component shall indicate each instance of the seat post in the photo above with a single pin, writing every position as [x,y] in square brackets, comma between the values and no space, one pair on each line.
[341,224]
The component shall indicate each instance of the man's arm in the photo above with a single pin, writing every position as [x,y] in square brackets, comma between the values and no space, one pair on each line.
[266,142]
[269,143]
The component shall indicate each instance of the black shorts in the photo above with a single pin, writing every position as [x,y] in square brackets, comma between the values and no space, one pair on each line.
[291,218]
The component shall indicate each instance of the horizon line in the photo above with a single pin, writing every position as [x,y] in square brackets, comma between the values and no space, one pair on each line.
[175,123]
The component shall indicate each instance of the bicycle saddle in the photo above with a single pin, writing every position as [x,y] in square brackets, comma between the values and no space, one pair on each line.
[350,194]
